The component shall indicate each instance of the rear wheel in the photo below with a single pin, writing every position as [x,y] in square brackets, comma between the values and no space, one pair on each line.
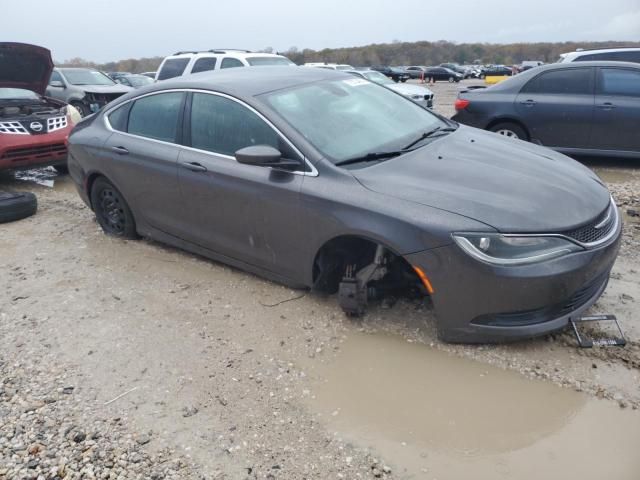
[451,79]
[111,209]
[510,130]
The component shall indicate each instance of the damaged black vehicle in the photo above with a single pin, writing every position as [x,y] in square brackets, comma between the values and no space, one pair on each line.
[88,90]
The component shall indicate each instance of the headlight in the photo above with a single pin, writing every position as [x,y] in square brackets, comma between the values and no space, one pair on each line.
[513,249]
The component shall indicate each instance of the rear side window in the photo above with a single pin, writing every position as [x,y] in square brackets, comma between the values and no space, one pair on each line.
[204,64]
[118,118]
[574,81]
[619,82]
[627,56]
[230,62]
[173,67]
[221,125]
[156,116]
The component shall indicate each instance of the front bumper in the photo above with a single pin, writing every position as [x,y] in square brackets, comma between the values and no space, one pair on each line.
[30,151]
[479,303]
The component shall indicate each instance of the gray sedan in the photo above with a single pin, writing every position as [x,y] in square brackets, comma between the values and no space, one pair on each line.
[576,108]
[322,180]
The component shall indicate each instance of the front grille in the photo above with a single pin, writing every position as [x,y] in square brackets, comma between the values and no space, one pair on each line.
[14,128]
[44,151]
[56,123]
[596,231]
[544,314]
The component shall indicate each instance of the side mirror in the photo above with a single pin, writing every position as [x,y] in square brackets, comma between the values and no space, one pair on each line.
[56,83]
[264,156]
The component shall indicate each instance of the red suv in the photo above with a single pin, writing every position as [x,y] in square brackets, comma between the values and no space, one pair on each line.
[33,128]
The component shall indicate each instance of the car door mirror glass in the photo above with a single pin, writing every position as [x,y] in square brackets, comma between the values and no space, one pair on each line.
[56,83]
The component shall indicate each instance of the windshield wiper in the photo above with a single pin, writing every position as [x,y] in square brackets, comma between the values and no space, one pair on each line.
[429,134]
[371,156]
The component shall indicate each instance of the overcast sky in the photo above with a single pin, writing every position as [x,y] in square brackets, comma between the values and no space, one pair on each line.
[104,30]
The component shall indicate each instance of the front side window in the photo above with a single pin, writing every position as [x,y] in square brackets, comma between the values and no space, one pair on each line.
[349,118]
[619,82]
[230,62]
[156,116]
[574,81]
[204,64]
[222,125]
[173,67]
[268,61]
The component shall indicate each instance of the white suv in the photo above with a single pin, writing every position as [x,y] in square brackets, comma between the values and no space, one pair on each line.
[629,54]
[329,66]
[186,63]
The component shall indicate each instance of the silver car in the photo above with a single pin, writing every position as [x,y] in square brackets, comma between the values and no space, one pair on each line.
[419,94]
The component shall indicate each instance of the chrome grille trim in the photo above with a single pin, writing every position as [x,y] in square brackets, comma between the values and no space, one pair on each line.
[13,128]
[56,123]
[598,232]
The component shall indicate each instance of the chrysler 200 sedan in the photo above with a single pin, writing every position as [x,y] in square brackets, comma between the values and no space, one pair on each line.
[321,180]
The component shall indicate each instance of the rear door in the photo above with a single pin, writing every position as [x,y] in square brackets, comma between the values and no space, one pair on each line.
[143,153]
[617,112]
[557,107]
[246,212]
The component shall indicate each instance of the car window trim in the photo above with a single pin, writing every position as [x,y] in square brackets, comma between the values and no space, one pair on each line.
[313,170]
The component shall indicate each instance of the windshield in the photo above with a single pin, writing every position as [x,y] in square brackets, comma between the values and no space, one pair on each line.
[87,77]
[17,94]
[377,77]
[138,80]
[268,61]
[349,118]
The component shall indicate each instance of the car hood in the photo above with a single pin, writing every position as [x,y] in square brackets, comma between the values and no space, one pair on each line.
[25,66]
[408,89]
[511,185]
[105,88]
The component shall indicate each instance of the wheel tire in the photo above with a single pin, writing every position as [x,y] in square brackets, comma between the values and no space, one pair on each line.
[510,130]
[451,79]
[82,108]
[111,209]
[404,80]
[17,205]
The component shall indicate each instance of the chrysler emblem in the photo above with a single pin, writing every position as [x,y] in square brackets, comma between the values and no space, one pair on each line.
[36,126]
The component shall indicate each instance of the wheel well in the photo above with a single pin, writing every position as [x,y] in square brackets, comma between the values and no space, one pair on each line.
[89,184]
[335,255]
[497,121]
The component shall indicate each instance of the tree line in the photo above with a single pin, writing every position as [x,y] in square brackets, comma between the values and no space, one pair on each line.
[395,53]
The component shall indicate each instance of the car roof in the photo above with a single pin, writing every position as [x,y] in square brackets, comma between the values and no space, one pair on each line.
[515,83]
[218,52]
[591,51]
[247,81]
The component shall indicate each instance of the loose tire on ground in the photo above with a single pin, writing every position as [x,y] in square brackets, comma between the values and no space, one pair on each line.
[510,130]
[112,211]
[17,205]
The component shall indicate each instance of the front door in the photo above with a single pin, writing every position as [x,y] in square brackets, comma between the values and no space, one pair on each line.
[617,112]
[249,213]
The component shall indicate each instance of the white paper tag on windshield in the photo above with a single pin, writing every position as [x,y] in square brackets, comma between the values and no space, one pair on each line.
[356,82]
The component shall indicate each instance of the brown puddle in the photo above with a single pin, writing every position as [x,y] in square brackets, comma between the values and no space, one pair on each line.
[433,415]
[611,175]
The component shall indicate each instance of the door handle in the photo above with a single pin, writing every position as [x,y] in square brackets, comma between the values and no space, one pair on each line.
[194,166]
[120,150]
[529,103]
[607,106]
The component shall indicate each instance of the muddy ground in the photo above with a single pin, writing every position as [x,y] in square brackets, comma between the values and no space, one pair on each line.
[186,368]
